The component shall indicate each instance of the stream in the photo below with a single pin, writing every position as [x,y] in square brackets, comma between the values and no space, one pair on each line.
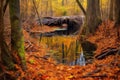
[66,50]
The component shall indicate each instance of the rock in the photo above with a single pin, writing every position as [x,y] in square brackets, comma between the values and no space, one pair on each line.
[88,46]
[88,49]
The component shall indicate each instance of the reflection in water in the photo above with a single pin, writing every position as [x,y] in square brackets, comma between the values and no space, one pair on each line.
[66,50]
[80,60]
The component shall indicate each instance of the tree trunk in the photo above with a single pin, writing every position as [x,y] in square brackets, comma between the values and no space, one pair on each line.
[117,17]
[97,3]
[5,56]
[17,40]
[111,10]
[63,3]
[46,13]
[93,16]
[5,6]
[1,27]
[51,8]
[117,12]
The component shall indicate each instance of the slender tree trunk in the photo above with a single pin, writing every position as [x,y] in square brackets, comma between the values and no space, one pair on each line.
[63,3]
[101,9]
[117,17]
[41,7]
[46,8]
[63,53]
[117,12]
[40,22]
[51,8]
[111,10]
[5,56]
[81,7]
[17,40]
[1,28]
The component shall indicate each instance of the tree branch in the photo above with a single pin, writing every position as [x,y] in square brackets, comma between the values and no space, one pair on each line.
[81,7]
[40,22]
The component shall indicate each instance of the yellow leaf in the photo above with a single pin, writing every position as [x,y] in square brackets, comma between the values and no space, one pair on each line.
[71,76]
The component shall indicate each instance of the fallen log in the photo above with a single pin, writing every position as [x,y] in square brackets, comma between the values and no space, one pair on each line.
[58,21]
[93,76]
[106,53]
[72,23]
[93,72]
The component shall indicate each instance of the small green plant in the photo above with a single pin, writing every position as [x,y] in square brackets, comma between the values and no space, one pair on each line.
[31,61]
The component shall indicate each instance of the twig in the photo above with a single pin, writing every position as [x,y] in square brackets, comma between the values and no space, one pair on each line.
[38,57]
[106,53]
[94,71]
[29,45]
[103,75]
[40,21]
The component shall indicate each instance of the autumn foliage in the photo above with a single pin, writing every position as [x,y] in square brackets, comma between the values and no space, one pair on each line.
[42,68]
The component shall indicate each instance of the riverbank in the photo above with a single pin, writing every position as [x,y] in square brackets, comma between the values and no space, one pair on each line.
[41,67]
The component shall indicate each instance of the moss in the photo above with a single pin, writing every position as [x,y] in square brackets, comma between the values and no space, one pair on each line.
[17,40]
[21,52]
[21,49]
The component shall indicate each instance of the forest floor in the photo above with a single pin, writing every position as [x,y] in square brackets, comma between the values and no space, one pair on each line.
[106,65]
